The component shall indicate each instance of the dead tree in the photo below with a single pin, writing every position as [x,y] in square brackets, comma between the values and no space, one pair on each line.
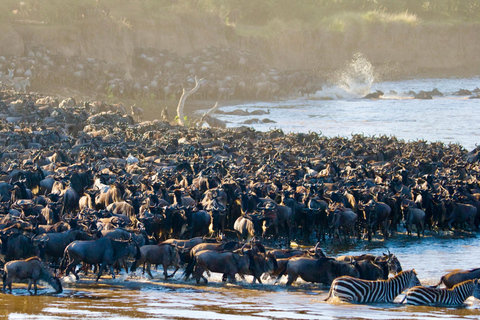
[184,97]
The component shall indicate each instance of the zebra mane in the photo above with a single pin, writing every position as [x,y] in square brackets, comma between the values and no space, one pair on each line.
[462,284]
[402,274]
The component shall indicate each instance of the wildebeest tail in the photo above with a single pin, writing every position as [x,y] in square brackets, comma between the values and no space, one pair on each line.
[64,262]
[189,269]
[438,284]
[4,278]
[282,273]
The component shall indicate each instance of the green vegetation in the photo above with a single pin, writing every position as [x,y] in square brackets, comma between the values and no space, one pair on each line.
[245,14]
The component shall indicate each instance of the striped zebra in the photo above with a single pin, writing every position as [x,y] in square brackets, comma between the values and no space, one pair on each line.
[451,297]
[355,290]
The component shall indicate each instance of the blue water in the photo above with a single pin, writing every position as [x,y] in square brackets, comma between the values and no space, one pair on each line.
[335,111]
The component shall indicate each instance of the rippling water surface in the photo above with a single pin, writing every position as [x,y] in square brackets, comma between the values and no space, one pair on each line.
[335,111]
[134,296]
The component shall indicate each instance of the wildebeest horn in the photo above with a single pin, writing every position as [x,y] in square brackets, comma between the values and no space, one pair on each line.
[243,248]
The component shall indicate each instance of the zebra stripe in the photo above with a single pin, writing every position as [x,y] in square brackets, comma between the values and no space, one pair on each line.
[452,297]
[355,290]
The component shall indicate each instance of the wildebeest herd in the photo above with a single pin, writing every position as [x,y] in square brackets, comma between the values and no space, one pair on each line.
[84,184]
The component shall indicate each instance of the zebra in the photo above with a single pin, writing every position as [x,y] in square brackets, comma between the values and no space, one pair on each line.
[355,290]
[451,297]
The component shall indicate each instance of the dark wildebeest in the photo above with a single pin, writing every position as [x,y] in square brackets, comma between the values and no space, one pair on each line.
[414,216]
[216,246]
[16,246]
[164,254]
[54,244]
[321,270]
[377,215]
[458,276]
[459,213]
[388,263]
[230,263]
[104,251]
[32,269]
[341,218]
[199,222]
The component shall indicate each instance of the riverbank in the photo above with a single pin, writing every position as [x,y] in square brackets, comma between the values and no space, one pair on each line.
[397,49]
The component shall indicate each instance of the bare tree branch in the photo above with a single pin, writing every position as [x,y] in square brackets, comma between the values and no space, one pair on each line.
[209,112]
[181,102]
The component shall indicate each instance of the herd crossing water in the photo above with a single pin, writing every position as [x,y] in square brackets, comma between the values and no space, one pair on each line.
[336,110]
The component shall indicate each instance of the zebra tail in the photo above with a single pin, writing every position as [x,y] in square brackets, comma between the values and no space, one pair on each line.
[329,294]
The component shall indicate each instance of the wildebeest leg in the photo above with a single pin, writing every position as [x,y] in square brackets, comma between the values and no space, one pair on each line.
[256,278]
[175,271]
[8,283]
[4,279]
[165,273]
[100,271]
[291,279]
[199,274]
[71,267]
[149,265]
[232,278]
[112,272]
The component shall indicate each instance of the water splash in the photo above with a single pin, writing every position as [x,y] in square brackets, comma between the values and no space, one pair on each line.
[353,81]
[358,76]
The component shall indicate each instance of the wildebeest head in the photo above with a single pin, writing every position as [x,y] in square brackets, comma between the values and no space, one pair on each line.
[393,263]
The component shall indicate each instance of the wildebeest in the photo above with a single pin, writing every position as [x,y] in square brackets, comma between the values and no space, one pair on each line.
[216,246]
[459,213]
[457,276]
[377,215]
[164,254]
[248,226]
[387,262]
[104,251]
[229,263]
[54,244]
[341,218]
[32,269]
[414,216]
[16,246]
[322,270]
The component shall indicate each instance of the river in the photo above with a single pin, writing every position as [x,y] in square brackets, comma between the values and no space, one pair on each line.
[340,111]
[134,296]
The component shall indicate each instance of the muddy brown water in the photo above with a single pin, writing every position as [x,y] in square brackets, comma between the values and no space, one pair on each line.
[133,296]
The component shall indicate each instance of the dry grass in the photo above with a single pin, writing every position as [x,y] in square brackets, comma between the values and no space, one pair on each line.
[377,16]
